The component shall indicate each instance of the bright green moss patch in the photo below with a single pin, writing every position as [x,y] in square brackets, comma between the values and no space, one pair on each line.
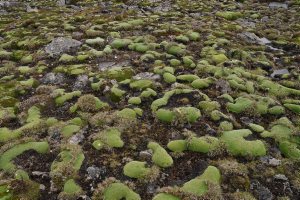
[238,146]
[160,155]
[203,144]
[120,43]
[71,190]
[164,196]
[165,115]
[65,97]
[141,84]
[180,114]
[199,185]
[110,137]
[178,145]
[136,169]
[117,191]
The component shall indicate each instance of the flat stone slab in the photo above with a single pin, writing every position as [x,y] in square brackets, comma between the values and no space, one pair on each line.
[62,45]
[275,5]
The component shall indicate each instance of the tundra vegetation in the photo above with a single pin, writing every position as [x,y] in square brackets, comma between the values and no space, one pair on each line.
[150,99]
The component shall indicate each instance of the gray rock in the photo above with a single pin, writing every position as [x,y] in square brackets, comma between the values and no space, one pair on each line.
[279,72]
[42,187]
[281,177]
[81,82]
[30,9]
[144,155]
[40,174]
[245,23]
[53,78]
[96,172]
[76,139]
[151,188]
[146,75]
[10,4]
[265,19]
[260,192]
[62,45]
[223,86]
[61,2]
[93,172]
[254,39]
[274,162]
[105,65]
[276,5]
[269,160]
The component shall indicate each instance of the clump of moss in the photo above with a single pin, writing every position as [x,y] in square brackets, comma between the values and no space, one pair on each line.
[229,15]
[208,106]
[72,126]
[175,49]
[112,189]
[7,157]
[108,138]
[198,186]
[238,146]
[66,58]
[165,196]
[202,83]
[205,186]
[181,114]
[169,78]
[204,144]
[136,169]
[251,104]
[67,164]
[71,190]
[187,77]
[95,41]
[160,156]
[135,100]
[141,84]
[276,89]
[19,189]
[61,97]
[120,43]
[139,47]
[283,132]
[32,125]
[89,103]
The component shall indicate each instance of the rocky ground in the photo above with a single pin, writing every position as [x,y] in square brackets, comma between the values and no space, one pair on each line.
[154,99]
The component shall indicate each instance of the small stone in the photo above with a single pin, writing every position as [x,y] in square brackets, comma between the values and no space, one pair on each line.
[280,72]
[53,78]
[151,189]
[76,139]
[274,162]
[40,174]
[61,2]
[145,155]
[62,45]
[146,75]
[93,172]
[260,191]
[42,187]
[254,39]
[281,177]
[276,5]
[81,82]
